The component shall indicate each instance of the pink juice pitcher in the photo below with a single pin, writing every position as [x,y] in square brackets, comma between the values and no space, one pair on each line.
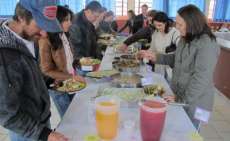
[152,119]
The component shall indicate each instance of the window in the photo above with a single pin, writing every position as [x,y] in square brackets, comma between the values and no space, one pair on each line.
[211,9]
[121,7]
[7,7]
[78,5]
[221,10]
[139,3]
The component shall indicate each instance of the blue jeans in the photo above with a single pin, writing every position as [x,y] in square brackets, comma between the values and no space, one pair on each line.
[61,101]
[17,137]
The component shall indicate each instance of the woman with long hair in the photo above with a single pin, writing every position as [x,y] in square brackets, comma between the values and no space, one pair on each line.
[129,22]
[56,58]
[193,62]
[165,35]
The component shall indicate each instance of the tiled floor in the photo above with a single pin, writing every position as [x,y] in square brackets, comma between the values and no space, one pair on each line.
[218,128]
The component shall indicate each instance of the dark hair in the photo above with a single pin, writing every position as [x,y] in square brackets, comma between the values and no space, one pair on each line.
[152,13]
[196,23]
[132,13]
[145,5]
[54,38]
[109,13]
[94,6]
[163,18]
[63,12]
[23,13]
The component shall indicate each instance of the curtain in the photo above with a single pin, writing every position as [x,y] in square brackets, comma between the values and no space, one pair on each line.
[222,10]
[7,7]
[227,14]
[174,5]
[171,6]
[74,5]
[160,5]
[78,5]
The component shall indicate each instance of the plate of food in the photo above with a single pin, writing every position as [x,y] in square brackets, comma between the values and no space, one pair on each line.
[105,36]
[155,90]
[70,86]
[101,74]
[89,64]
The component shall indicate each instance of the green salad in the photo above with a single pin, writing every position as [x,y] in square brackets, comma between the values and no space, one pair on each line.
[126,94]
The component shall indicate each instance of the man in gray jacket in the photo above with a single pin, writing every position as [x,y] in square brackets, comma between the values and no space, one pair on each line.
[24,99]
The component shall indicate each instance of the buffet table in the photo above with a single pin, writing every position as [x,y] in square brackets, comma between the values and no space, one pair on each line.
[223,35]
[78,121]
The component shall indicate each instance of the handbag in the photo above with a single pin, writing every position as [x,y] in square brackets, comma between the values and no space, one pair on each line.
[172,46]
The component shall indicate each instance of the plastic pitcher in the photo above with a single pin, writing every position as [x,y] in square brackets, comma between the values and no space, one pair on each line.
[152,119]
[107,117]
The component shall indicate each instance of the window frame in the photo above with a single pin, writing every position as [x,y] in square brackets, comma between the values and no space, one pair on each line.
[139,3]
[123,7]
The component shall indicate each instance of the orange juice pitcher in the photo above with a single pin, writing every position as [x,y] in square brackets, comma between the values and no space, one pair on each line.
[107,118]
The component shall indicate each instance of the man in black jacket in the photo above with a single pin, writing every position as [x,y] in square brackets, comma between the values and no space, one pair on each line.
[143,33]
[83,36]
[140,20]
[24,99]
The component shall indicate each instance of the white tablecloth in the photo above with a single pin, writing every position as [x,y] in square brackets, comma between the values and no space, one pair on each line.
[223,35]
[223,39]
[78,120]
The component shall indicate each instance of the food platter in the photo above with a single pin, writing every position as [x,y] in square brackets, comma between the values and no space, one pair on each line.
[89,64]
[125,94]
[104,42]
[155,90]
[101,74]
[106,36]
[85,61]
[130,50]
[70,86]
[126,80]
[128,57]
[126,65]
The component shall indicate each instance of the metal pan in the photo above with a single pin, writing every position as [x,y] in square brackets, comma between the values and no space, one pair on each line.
[126,80]
[124,66]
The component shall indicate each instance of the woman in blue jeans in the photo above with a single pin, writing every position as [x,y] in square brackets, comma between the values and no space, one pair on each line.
[56,59]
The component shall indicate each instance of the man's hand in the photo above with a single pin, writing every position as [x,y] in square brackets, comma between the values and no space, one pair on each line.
[55,136]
